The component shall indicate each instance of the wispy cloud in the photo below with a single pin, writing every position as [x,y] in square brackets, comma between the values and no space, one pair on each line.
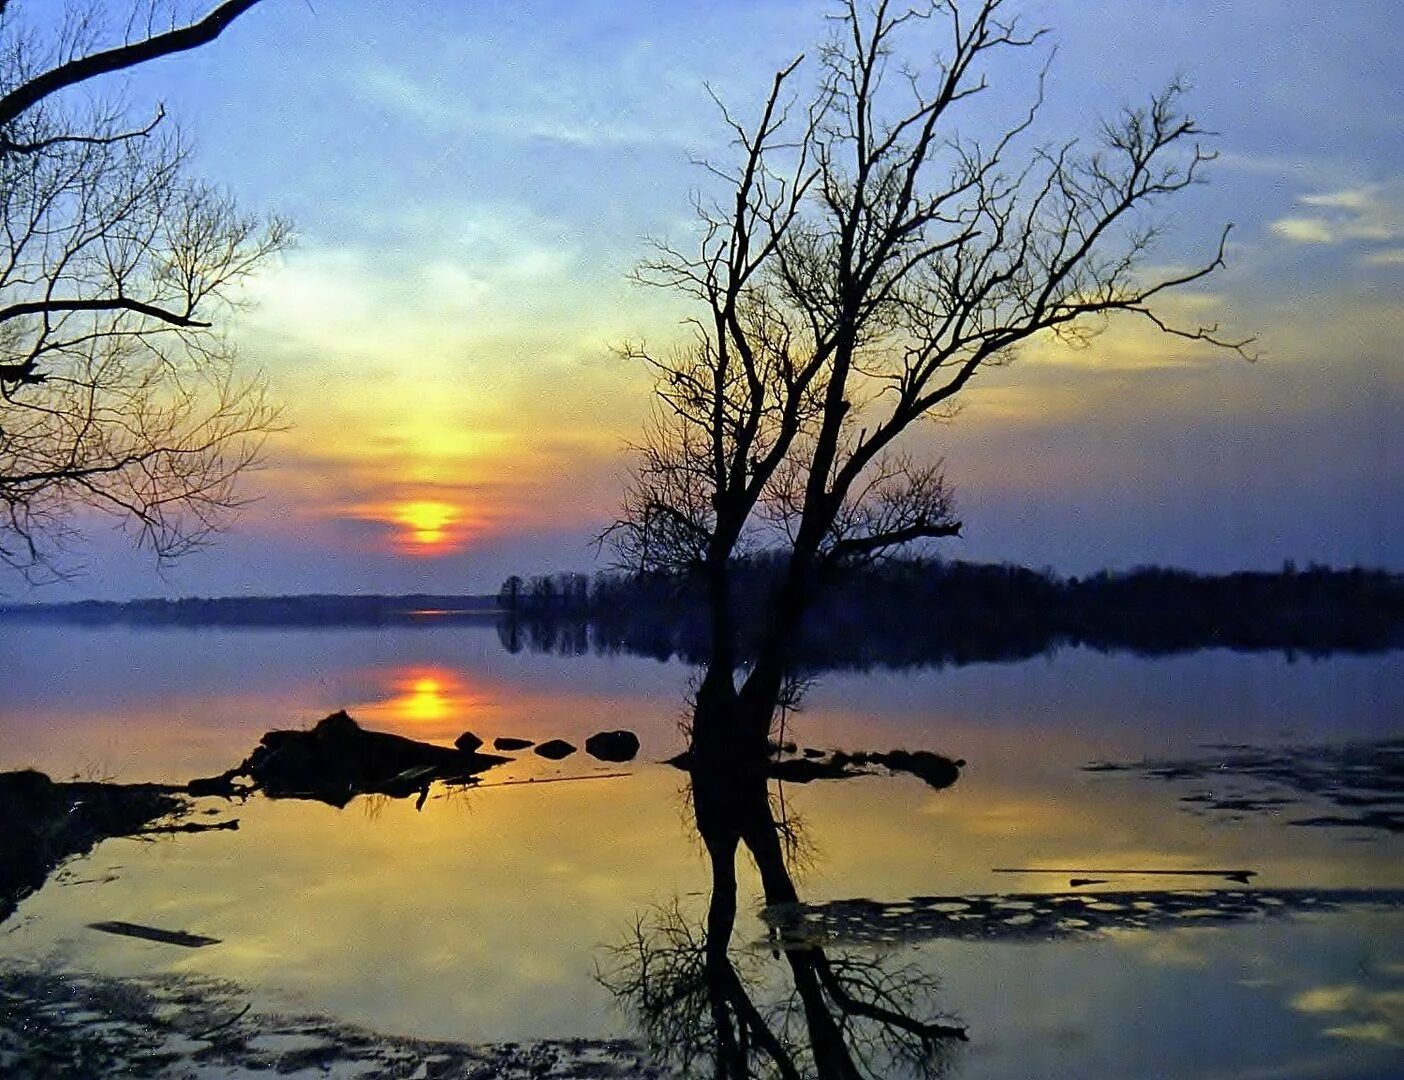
[1366,215]
[560,110]
[1304,230]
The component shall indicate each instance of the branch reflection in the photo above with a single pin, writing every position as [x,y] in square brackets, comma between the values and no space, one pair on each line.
[801,1010]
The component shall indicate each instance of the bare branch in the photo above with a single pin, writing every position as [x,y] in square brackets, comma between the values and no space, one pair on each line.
[117,392]
[32,91]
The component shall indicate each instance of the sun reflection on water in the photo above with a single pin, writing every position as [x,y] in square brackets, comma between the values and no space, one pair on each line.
[427,702]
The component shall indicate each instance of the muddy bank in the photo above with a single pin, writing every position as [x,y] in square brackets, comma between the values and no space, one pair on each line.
[66,1024]
[47,822]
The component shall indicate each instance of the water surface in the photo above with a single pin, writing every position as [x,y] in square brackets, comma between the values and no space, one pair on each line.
[499,913]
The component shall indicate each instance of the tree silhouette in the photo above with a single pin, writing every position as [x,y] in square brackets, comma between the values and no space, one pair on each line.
[117,392]
[868,259]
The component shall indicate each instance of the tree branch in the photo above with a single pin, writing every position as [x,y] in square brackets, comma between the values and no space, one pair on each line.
[106,303]
[35,90]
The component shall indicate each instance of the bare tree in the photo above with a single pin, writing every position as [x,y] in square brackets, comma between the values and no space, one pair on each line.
[870,257]
[117,391]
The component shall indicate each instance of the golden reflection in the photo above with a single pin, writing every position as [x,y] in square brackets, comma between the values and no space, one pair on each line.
[427,702]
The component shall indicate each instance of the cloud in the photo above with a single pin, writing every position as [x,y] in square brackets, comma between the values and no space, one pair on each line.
[1364,215]
[1358,200]
[572,111]
[1304,230]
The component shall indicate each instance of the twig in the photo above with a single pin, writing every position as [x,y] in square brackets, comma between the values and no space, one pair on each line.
[548,780]
[223,1024]
[1168,873]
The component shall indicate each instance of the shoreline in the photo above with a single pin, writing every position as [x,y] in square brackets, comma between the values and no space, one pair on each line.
[58,1023]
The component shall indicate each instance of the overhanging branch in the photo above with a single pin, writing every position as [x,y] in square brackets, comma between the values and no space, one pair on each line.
[182,39]
[106,303]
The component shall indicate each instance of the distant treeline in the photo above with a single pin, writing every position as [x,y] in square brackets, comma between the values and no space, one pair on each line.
[929,612]
[308,611]
[896,613]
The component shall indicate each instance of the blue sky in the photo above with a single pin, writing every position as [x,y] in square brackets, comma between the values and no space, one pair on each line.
[472,183]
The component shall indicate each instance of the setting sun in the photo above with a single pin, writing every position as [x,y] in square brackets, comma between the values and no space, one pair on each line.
[429,523]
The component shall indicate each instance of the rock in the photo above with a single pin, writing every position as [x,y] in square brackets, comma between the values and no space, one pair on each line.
[338,725]
[612,745]
[338,760]
[467,742]
[221,786]
[507,742]
[555,749]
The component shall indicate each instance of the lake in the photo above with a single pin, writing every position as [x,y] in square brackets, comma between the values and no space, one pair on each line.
[519,911]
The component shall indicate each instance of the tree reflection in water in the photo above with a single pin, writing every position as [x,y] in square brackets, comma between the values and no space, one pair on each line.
[855,1014]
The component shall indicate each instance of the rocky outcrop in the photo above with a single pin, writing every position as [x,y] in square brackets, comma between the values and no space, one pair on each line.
[338,760]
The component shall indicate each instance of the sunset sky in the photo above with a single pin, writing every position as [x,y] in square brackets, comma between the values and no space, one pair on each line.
[471,184]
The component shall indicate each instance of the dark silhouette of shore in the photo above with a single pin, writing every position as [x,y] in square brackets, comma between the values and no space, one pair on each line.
[311,610]
[916,612]
[898,613]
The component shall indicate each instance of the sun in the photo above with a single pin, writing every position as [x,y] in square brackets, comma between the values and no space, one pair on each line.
[429,523]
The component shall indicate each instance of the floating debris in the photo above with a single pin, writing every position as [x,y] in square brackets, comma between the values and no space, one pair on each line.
[1089,877]
[45,823]
[155,933]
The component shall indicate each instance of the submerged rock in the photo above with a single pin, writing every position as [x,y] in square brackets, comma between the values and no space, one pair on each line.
[1051,916]
[555,749]
[804,770]
[937,770]
[613,745]
[507,742]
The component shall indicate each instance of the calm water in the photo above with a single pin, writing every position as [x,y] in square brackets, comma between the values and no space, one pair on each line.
[499,913]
